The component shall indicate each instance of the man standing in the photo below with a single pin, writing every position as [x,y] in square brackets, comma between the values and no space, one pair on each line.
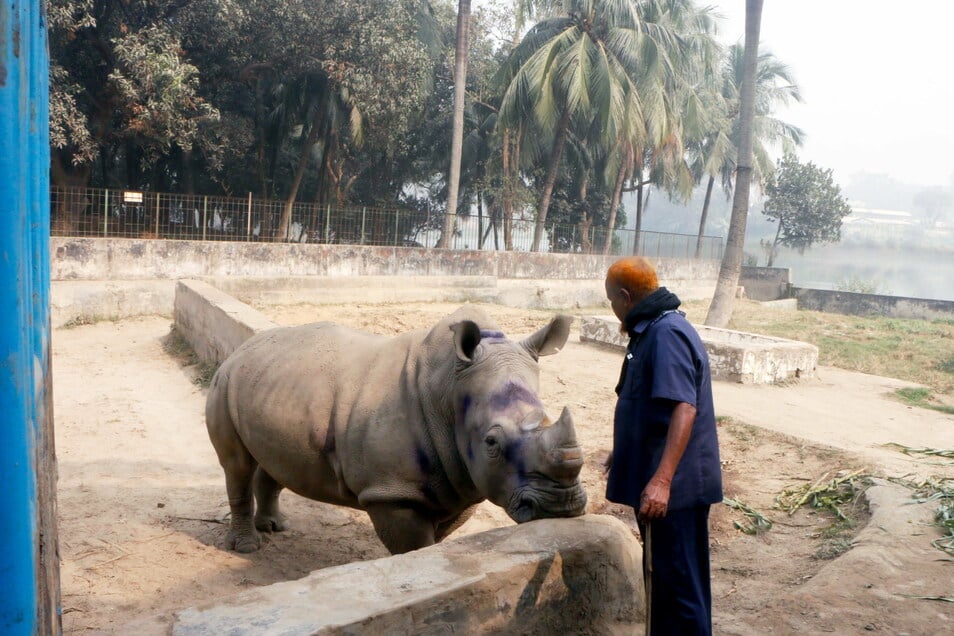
[665,459]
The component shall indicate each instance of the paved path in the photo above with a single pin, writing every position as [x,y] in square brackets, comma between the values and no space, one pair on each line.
[847,410]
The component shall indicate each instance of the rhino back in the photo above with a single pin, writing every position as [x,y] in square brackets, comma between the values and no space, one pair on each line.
[324,409]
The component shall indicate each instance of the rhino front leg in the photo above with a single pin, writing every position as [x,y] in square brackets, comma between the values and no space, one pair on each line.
[401,529]
[268,517]
[444,528]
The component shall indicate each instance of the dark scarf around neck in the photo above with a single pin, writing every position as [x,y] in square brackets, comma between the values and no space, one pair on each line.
[651,306]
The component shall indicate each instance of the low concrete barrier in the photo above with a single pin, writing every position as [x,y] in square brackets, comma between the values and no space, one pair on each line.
[553,576]
[734,356]
[213,322]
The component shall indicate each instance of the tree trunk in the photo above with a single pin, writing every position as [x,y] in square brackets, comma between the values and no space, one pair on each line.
[639,214]
[281,232]
[507,183]
[720,311]
[625,168]
[556,155]
[705,214]
[774,248]
[457,133]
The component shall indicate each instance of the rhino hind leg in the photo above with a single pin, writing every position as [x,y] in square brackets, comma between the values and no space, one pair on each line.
[268,518]
[239,467]
[239,470]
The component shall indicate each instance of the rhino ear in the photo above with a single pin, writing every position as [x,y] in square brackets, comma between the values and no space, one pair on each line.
[550,339]
[466,339]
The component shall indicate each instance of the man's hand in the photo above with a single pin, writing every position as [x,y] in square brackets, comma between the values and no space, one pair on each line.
[654,502]
[607,464]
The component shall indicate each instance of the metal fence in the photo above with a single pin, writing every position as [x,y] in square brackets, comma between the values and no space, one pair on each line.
[133,214]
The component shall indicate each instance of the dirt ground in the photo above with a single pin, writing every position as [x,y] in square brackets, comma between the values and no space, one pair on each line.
[142,498]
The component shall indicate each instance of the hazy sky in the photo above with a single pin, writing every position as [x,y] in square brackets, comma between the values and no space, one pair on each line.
[877,80]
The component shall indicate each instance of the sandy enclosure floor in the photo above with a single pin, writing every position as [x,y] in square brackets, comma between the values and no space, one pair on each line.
[142,498]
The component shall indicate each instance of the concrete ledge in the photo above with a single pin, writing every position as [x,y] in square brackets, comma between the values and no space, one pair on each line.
[734,356]
[213,322]
[569,576]
[72,301]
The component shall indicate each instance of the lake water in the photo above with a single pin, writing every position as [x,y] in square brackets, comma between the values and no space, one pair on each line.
[916,273]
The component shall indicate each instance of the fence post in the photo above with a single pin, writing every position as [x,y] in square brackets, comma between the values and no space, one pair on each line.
[205,218]
[364,212]
[248,225]
[397,216]
[105,213]
[157,214]
[327,223]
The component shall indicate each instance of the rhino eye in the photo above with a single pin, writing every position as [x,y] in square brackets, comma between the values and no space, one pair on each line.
[493,446]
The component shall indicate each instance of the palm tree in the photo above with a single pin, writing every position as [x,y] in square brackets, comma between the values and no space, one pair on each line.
[575,68]
[457,130]
[677,48]
[721,308]
[715,149]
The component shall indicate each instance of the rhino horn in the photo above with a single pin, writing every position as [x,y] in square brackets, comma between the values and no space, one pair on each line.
[564,455]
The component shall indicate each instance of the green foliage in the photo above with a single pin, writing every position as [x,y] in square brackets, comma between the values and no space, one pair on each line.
[806,203]
[921,397]
[837,496]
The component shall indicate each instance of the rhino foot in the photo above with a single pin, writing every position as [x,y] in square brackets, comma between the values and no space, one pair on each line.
[275,522]
[244,542]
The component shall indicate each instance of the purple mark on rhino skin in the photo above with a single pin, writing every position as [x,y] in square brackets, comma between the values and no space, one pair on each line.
[513,393]
[423,461]
[492,335]
[513,453]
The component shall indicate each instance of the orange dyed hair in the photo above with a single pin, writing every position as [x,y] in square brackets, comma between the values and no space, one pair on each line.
[635,274]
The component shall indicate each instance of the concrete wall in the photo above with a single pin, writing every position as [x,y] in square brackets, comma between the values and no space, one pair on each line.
[96,279]
[134,259]
[856,304]
[766,283]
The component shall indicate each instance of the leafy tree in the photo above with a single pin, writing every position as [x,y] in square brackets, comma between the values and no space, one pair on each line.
[807,205]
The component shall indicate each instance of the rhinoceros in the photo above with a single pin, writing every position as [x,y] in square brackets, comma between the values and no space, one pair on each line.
[415,429]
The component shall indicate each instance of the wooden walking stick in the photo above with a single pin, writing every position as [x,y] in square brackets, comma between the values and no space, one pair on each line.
[648,558]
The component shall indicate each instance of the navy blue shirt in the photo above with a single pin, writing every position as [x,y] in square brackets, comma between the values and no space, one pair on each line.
[667,364]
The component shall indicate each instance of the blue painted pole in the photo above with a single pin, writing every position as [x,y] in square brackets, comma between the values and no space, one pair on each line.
[29,568]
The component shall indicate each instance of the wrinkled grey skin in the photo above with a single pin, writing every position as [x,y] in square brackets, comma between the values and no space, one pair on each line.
[416,429]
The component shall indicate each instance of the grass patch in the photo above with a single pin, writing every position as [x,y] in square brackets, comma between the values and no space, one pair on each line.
[922,398]
[919,351]
[946,366]
[176,346]
[83,320]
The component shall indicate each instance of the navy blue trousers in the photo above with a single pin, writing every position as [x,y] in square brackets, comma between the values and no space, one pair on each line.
[678,545]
